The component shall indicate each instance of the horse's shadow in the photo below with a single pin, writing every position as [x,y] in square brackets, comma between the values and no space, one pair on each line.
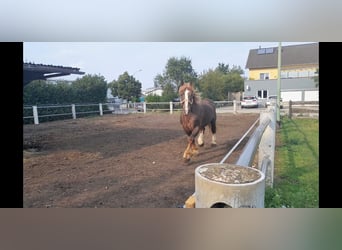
[212,154]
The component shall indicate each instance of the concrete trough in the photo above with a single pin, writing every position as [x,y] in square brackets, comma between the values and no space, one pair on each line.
[221,185]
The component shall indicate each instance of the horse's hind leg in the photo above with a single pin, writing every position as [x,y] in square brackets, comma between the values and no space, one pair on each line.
[213,140]
[193,148]
[200,140]
[213,131]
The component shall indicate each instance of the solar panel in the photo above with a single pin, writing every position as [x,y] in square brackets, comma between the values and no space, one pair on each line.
[269,51]
[261,51]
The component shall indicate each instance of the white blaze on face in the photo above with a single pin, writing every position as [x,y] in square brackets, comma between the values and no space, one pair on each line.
[186,101]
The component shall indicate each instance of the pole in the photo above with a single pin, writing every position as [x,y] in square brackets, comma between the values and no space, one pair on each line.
[278,84]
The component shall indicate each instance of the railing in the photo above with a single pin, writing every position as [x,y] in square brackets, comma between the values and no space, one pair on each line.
[300,108]
[36,114]
[45,112]
[262,141]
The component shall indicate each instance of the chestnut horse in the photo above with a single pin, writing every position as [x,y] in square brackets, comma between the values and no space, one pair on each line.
[196,115]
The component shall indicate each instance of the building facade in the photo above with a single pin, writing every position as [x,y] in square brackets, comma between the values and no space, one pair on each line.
[299,66]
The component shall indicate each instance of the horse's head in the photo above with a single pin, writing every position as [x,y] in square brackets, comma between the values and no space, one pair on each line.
[187,97]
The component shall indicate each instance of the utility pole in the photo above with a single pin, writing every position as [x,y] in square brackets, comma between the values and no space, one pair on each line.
[278,85]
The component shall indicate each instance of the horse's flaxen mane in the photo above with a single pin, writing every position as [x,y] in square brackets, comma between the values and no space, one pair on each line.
[190,87]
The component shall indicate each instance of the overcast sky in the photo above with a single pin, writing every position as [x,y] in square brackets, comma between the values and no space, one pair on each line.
[144,60]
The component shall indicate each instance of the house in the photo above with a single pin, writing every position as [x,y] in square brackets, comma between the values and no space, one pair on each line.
[152,91]
[299,64]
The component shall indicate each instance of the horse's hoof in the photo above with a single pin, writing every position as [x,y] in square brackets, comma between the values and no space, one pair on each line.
[201,145]
[186,160]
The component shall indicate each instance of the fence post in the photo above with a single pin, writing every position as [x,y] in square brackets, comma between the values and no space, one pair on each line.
[234,106]
[171,107]
[73,110]
[100,107]
[35,115]
[267,144]
[290,109]
[144,104]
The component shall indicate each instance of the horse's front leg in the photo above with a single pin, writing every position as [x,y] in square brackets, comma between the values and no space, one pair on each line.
[191,148]
[188,151]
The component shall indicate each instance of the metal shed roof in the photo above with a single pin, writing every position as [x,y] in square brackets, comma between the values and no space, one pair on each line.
[34,71]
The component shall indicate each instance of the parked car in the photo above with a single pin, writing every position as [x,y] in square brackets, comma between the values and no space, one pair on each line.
[273,98]
[139,107]
[249,102]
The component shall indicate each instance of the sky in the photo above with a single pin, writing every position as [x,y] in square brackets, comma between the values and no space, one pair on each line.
[143,60]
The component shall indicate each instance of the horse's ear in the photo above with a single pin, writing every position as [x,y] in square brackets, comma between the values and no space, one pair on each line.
[181,85]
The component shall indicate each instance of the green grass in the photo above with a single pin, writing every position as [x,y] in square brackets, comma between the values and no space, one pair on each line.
[295,181]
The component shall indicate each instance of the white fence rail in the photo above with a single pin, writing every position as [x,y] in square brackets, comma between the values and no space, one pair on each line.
[72,111]
[67,111]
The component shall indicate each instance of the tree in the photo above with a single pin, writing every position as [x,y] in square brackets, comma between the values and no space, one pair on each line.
[223,68]
[177,71]
[215,84]
[160,81]
[90,89]
[211,85]
[169,93]
[39,92]
[64,92]
[226,70]
[153,98]
[126,87]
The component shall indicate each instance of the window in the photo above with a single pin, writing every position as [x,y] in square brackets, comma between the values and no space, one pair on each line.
[262,93]
[296,73]
[264,76]
[284,74]
[293,74]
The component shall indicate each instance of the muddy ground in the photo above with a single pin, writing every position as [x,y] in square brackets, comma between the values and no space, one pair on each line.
[120,161]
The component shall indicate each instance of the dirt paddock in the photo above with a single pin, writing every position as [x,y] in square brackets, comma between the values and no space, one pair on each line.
[120,161]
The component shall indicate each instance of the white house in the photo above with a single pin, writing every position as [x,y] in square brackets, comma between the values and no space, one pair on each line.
[152,91]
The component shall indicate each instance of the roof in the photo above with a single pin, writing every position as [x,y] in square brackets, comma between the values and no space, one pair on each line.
[151,90]
[34,71]
[291,55]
